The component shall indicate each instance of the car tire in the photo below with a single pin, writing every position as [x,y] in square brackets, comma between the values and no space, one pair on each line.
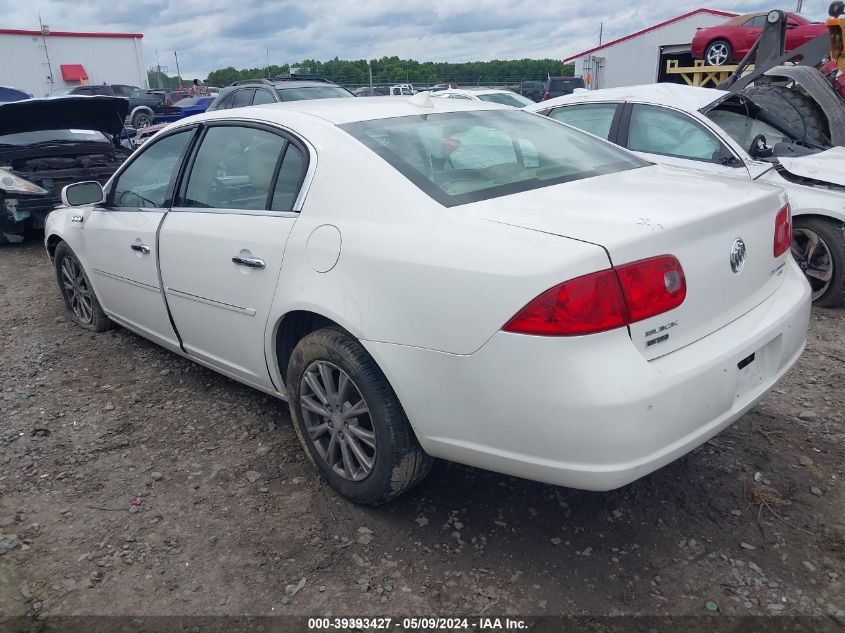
[379,428]
[825,265]
[142,119]
[718,53]
[77,292]
[794,107]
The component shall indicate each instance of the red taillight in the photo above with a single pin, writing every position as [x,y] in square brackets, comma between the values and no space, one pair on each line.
[547,95]
[783,231]
[652,286]
[604,300]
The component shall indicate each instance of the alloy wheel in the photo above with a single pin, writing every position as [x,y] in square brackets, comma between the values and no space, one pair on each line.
[717,54]
[76,290]
[813,256]
[337,420]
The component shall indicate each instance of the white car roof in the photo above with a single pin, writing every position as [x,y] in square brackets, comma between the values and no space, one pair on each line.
[687,98]
[341,111]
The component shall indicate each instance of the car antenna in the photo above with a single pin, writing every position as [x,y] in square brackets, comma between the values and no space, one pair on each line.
[422,100]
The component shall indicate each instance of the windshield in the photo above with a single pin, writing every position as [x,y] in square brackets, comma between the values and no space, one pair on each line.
[60,136]
[511,99]
[187,101]
[462,157]
[62,91]
[313,92]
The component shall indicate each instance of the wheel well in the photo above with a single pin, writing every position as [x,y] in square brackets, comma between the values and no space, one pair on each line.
[52,243]
[141,109]
[292,328]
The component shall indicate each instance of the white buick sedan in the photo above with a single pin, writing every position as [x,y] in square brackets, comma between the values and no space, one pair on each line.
[426,278]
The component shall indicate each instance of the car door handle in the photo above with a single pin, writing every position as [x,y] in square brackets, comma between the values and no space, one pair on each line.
[249,262]
[141,248]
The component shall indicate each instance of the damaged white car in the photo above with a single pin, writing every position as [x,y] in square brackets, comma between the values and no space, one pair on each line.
[729,135]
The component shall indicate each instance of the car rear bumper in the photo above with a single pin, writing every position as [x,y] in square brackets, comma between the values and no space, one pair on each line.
[590,412]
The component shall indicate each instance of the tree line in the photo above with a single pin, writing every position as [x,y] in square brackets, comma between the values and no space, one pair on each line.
[391,70]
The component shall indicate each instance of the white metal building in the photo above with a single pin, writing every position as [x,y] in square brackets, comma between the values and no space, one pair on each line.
[39,64]
[640,58]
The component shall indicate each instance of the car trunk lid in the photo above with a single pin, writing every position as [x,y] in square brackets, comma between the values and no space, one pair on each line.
[655,211]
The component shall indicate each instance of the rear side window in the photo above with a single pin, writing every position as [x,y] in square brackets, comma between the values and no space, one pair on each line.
[463,157]
[313,92]
[263,96]
[234,169]
[291,173]
[593,118]
[657,130]
[242,98]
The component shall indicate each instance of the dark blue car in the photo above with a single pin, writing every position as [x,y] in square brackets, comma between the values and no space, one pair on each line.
[8,95]
[189,107]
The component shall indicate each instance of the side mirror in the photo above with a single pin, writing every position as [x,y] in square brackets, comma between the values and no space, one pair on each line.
[82,193]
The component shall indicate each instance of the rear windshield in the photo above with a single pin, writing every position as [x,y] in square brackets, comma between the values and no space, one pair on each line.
[314,92]
[515,100]
[462,157]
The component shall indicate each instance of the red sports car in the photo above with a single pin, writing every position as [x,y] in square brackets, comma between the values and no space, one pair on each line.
[729,42]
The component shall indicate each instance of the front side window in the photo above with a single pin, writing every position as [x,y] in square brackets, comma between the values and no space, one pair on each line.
[234,169]
[146,180]
[595,118]
[657,130]
[463,157]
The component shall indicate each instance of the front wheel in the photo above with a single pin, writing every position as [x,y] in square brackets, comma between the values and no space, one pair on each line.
[350,421]
[79,297]
[818,246]
[718,53]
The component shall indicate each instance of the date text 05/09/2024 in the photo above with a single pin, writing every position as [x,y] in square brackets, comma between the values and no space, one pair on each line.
[417,624]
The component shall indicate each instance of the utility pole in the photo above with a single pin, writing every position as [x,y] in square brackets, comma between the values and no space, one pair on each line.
[178,74]
[45,30]
[800,5]
[267,50]
[158,71]
[370,71]
[601,29]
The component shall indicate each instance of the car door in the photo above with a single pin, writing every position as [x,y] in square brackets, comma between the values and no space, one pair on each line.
[121,238]
[672,137]
[600,119]
[221,246]
[751,31]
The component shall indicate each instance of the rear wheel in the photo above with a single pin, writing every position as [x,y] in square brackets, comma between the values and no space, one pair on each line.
[350,421]
[818,246]
[142,119]
[794,107]
[718,53]
[79,297]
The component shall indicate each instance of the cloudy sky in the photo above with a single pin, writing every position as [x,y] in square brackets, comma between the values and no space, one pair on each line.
[210,34]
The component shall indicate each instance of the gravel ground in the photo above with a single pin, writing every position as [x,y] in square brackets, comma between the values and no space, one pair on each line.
[135,482]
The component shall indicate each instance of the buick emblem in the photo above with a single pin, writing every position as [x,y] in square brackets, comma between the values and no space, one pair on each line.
[738,255]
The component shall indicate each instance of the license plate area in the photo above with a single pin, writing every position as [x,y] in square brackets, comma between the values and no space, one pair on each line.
[754,370]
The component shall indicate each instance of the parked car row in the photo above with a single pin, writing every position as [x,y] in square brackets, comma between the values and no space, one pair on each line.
[543,303]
